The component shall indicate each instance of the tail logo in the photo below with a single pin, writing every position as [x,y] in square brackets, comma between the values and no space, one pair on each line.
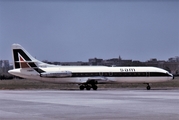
[23,64]
[21,60]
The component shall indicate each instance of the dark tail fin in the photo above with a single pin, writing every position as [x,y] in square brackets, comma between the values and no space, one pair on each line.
[22,59]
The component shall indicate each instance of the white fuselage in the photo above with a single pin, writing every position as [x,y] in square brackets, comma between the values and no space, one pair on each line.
[81,74]
[26,66]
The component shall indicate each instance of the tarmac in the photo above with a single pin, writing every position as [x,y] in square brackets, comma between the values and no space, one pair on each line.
[120,104]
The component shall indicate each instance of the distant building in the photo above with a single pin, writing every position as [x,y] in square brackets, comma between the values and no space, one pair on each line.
[111,62]
[174,59]
[95,61]
[1,62]
[6,63]
[4,66]
[78,63]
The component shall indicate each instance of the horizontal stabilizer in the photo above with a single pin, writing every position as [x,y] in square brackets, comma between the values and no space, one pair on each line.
[26,61]
[98,78]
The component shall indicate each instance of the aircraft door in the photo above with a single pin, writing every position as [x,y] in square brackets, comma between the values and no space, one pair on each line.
[148,74]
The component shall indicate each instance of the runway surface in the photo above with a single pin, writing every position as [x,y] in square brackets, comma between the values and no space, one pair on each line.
[89,105]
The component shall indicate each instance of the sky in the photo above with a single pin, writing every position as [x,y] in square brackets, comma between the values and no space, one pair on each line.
[76,30]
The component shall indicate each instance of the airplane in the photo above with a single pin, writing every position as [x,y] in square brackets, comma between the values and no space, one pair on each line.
[87,77]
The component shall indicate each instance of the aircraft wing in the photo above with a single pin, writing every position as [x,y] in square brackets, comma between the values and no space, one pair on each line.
[98,80]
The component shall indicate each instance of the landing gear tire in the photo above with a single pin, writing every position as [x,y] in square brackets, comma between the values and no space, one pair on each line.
[148,87]
[82,87]
[88,87]
[95,87]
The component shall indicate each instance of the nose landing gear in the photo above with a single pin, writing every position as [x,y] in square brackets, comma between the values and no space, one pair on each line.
[148,86]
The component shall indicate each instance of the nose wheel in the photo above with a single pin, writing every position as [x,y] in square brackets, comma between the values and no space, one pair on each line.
[148,86]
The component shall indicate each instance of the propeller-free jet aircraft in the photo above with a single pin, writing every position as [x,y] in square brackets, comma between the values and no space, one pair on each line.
[87,77]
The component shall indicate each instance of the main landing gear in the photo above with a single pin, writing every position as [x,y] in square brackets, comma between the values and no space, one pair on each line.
[88,86]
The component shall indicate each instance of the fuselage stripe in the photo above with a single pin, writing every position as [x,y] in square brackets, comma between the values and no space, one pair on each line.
[120,74]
